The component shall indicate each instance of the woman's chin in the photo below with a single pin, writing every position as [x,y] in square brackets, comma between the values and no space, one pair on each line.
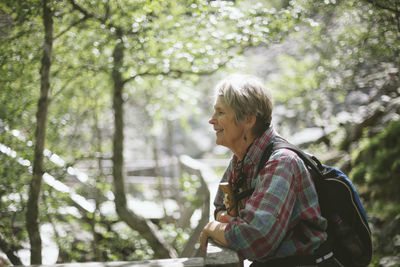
[219,142]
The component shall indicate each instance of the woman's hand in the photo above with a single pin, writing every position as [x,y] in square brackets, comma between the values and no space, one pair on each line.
[222,216]
[214,230]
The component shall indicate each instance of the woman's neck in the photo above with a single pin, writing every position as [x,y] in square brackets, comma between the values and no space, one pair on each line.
[241,151]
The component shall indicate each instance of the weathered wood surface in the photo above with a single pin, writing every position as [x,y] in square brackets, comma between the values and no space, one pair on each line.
[221,256]
[216,256]
[179,262]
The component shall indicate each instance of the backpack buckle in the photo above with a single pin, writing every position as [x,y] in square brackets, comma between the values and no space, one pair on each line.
[325,257]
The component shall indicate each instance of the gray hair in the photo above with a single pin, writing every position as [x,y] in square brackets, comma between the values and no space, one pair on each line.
[246,95]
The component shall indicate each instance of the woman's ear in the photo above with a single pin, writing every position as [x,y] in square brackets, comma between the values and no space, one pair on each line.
[250,121]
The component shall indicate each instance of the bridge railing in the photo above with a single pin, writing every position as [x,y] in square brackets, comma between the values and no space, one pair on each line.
[215,255]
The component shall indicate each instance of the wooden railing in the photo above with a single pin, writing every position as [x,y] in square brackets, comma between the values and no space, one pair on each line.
[217,258]
[221,256]
[215,255]
[193,167]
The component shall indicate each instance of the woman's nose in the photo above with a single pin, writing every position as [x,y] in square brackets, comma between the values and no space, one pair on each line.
[211,120]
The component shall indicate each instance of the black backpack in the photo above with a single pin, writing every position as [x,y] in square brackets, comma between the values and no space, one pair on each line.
[348,230]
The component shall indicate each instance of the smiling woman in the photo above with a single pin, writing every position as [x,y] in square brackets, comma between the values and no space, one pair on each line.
[242,112]
[281,222]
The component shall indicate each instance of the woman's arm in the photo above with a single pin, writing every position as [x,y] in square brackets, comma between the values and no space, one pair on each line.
[216,231]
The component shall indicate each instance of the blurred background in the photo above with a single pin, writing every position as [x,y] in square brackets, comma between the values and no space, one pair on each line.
[105,146]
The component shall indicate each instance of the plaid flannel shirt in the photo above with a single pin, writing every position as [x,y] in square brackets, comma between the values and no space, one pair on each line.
[282,217]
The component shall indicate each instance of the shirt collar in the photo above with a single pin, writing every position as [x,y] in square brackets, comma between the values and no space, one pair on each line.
[257,148]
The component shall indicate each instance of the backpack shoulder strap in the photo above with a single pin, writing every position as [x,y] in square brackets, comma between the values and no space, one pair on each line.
[310,161]
[265,157]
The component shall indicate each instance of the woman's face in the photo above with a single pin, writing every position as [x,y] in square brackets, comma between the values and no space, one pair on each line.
[229,133]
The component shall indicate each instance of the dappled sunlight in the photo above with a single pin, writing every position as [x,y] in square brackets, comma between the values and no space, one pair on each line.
[105,143]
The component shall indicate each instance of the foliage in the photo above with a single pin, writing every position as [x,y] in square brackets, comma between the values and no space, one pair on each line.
[354,81]
[339,64]
[12,206]
[376,163]
[18,50]
[175,235]
[190,185]
[332,71]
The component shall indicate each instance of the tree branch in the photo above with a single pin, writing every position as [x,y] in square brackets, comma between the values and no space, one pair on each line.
[91,15]
[178,72]
[9,251]
[71,26]
[80,9]
[375,3]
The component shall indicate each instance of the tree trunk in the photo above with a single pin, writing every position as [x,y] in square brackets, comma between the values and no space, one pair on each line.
[32,213]
[146,228]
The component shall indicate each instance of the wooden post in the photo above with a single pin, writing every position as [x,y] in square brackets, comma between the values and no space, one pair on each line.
[192,247]
[215,255]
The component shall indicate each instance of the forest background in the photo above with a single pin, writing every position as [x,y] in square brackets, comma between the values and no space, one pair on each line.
[92,89]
